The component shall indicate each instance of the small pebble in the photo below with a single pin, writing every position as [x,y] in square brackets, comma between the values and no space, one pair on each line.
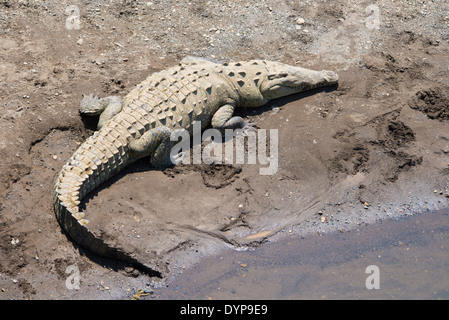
[300,21]
[148,290]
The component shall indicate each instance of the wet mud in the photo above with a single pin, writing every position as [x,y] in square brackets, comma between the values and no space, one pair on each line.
[407,255]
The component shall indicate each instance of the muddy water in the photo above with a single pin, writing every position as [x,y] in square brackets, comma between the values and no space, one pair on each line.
[410,255]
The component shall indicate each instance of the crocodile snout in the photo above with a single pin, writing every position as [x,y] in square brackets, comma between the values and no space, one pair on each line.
[330,76]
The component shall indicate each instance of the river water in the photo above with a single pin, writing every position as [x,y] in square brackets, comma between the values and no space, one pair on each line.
[406,258]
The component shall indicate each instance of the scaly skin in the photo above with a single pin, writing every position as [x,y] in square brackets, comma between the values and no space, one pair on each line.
[195,90]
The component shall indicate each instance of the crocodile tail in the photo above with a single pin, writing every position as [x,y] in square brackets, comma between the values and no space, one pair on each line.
[86,169]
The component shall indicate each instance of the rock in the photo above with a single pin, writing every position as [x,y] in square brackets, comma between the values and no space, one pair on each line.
[300,21]
[148,291]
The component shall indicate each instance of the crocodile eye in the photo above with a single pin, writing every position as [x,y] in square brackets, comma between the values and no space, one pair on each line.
[277,75]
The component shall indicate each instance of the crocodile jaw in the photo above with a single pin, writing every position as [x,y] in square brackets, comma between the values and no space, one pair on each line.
[282,80]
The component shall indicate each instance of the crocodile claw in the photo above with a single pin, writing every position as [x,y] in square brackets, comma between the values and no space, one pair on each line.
[249,127]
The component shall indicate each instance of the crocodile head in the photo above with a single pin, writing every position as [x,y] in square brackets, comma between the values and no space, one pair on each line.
[280,80]
[273,80]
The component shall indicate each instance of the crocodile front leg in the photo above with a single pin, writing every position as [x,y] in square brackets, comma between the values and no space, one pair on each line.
[223,119]
[106,107]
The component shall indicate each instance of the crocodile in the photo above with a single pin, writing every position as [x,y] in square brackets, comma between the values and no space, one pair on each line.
[140,125]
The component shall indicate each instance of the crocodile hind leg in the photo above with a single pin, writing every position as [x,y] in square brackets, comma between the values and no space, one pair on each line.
[149,141]
[161,156]
[114,107]
[107,107]
[157,143]
[154,142]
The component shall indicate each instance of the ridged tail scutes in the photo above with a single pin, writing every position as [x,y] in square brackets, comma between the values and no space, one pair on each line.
[77,178]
